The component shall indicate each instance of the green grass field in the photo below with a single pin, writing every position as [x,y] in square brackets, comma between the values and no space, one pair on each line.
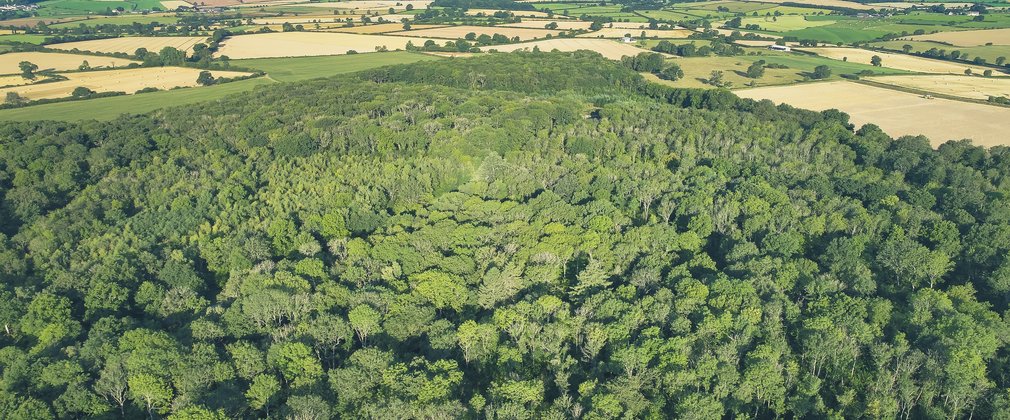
[784,23]
[117,20]
[293,69]
[27,38]
[733,6]
[697,69]
[989,52]
[109,108]
[84,7]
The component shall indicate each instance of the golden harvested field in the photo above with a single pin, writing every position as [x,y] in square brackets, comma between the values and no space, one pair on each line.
[539,24]
[908,5]
[379,29]
[897,113]
[637,33]
[520,13]
[458,32]
[610,49]
[973,87]
[626,25]
[130,44]
[126,80]
[305,19]
[382,5]
[174,4]
[969,38]
[303,44]
[31,22]
[393,18]
[895,61]
[15,81]
[56,61]
[831,3]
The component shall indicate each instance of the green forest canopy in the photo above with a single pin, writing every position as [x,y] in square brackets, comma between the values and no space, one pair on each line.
[532,235]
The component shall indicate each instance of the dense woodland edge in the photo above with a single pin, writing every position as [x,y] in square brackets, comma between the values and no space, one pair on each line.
[528,235]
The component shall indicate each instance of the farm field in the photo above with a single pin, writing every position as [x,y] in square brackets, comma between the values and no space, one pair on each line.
[626,25]
[798,67]
[130,44]
[784,23]
[112,107]
[174,4]
[972,87]
[520,13]
[380,5]
[908,5]
[539,24]
[458,32]
[117,20]
[728,32]
[897,113]
[15,80]
[968,38]
[57,61]
[379,28]
[698,69]
[829,3]
[895,61]
[303,44]
[989,52]
[26,38]
[79,7]
[733,6]
[127,80]
[304,19]
[637,33]
[610,49]
[302,68]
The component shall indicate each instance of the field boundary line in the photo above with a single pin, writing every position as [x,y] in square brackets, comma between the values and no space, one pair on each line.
[926,92]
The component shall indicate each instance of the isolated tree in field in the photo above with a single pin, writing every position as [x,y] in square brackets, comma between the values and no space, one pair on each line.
[733,23]
[756,69]
[287,27]
[13,98]
[28,69]
[821,72]
[406,26]
[552,25]
[671,72]
[205,78]
[84,66]
[967,72]
[906,48]
[171,56]
[82,92]
[410,7]
[715,78]
[876,60]
[987,73]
